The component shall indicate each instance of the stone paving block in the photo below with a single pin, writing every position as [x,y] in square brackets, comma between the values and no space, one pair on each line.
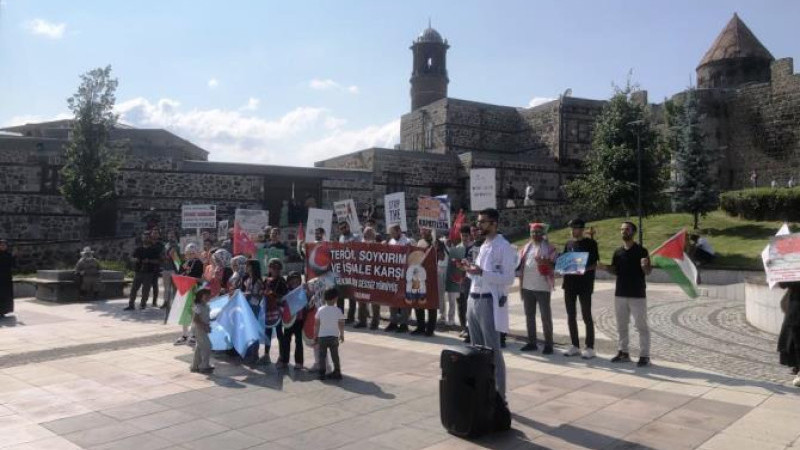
[78,423]
[185,432]
[725,441]
[361,427]
[556,412]
[705,414]
[161,419]
[659,434]
[767,425]
[229,440]
[23,434]
[637,409]
[737,397]
[319,438]
[241,418]
[51,443]
[101,435]
[144,441]
[183,399]
[132,410]
[406,438]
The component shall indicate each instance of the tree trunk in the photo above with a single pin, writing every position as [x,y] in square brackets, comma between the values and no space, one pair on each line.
[696,219]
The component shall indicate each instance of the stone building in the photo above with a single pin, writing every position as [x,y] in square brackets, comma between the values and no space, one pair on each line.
[750,106]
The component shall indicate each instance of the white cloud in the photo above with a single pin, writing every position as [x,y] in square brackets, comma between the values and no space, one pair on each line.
[213,82]
[298,138]
[536,101]
[328,84]
[41,27]
[251,105]
[33,118]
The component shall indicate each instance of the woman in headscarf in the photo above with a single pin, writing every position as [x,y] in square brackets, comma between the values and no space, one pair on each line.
[789,339]
[6,284]
[193,267]
[218,272]
[238,273]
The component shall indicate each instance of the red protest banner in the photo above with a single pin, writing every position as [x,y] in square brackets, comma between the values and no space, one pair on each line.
[396,276]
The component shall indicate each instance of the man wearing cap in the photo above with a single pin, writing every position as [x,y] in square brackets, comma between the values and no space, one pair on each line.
[492,274]
[87,271]
[580,288]
[536,261]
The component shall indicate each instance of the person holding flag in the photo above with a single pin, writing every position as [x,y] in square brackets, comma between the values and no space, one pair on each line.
[631,263]
[201,321]
[170,264]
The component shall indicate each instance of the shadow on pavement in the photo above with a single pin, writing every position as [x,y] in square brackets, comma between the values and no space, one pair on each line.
[115,310]
[580,437]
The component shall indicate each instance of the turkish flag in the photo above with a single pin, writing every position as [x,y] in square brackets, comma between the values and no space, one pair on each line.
[455,230]
[242,244]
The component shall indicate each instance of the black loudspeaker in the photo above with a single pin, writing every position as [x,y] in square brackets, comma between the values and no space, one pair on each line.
[467,392]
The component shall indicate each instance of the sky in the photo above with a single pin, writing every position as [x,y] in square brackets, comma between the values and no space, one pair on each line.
[293,82]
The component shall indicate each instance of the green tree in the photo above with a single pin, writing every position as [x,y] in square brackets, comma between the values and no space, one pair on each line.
[90,168]
[695,185]
[610,184]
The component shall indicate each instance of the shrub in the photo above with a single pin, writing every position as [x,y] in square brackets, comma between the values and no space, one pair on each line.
[781,204]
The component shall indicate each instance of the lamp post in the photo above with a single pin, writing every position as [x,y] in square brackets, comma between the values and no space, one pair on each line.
[636,126]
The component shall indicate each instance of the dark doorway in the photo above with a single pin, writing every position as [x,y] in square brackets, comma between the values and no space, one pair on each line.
[278,189]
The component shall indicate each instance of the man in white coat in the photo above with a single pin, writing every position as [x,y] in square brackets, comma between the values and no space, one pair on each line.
[492,273]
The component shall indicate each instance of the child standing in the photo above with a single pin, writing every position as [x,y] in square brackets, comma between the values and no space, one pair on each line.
[329,332]
[275,289]
[202,326]
[293,280]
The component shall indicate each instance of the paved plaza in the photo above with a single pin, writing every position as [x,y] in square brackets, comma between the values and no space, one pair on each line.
[90,376]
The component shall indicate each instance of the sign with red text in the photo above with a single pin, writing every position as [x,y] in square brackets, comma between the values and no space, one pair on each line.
[396,276]
[199,216]
[783,258]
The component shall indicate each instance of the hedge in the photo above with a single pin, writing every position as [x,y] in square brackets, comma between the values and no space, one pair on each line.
[780,204]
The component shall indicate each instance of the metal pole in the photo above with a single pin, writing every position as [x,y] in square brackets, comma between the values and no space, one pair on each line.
[639,175]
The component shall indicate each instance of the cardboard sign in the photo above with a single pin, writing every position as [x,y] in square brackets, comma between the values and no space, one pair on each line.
[319,218]
[394,206]
[222,230]
[482,189]
[198,216]
[433,213]
[247,224]
[346,210]
[399,276]
[783,258]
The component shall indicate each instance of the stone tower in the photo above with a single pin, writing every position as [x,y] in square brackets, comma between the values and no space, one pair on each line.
[429,73]
[736,57]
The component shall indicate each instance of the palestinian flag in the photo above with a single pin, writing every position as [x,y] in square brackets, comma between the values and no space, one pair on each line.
[175,257]
[180,312]
[672,259]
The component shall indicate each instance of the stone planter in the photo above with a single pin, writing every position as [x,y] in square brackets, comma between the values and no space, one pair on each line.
[60,285]
[763,305]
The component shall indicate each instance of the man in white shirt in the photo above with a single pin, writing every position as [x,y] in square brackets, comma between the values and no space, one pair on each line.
[536,281]
[345,236]
[398,317]
[492,274]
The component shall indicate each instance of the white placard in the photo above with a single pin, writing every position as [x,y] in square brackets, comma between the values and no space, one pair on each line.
[199,216]
[222,230]
[394,207]
[346,210]
[319,218]
[252,221]
[482,189]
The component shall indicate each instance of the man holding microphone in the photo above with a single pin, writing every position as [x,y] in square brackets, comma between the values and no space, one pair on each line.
[631,263]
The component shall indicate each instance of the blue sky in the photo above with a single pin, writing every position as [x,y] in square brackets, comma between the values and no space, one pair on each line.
[291,82]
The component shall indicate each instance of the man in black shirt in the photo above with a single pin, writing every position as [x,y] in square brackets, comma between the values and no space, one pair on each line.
[580,287]
[630,264]
[144,259]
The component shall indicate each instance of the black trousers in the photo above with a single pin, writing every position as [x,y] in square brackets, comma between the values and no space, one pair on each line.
[156,277]
[351,312]
[461,304]
[571,297]
[285,343]
[428,326]
[141,280]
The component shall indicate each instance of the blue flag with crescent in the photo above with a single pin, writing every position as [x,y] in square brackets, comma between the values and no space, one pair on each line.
[237,321]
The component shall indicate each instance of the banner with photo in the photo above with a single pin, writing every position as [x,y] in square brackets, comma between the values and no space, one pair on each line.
[247,224]
[572,263]
[319,218]
[782,261]
[394,206]
[482,189]
[395,276]
[434,213]
[346,210]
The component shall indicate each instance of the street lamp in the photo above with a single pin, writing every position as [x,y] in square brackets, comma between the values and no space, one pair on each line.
[637,128]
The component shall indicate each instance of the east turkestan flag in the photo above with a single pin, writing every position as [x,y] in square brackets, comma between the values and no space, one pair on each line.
[180,312]
[671,258]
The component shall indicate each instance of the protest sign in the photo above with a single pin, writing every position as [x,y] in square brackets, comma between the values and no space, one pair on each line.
[572,263]
[198,216]
[346,210]
[433,213]
[247,224]
[783,258]
[222,230]
[396,276]
[394,206]
[482,189]
[319,218]
[784,230]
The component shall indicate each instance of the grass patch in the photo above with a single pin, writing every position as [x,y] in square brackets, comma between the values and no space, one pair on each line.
[737,242]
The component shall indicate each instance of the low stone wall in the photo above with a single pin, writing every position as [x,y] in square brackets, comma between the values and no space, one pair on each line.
[64,255]
[763,305]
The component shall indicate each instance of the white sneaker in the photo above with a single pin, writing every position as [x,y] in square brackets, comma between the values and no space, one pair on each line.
[588,353]
[796,381]
[572,351]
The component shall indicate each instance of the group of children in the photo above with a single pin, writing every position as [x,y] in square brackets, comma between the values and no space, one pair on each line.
[221,274]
